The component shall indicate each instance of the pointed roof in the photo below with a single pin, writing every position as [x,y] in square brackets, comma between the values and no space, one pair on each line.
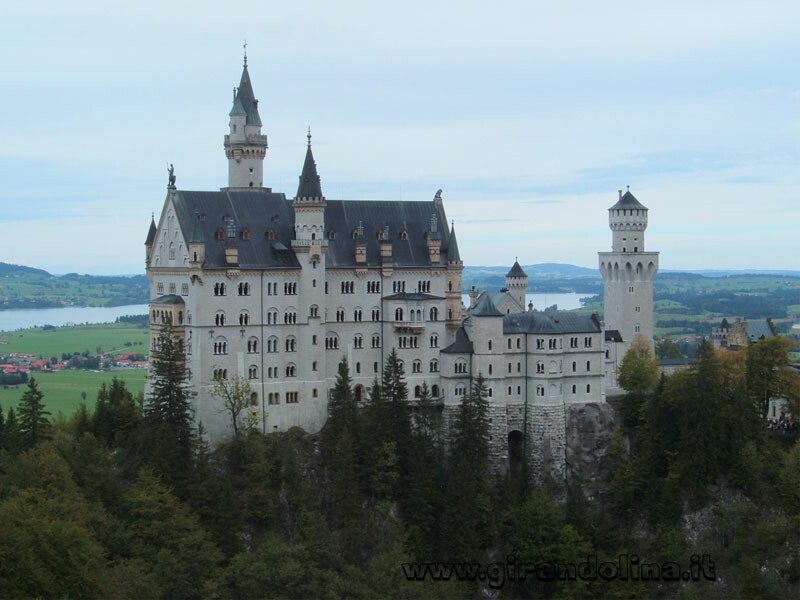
[151,235]
[628,200]
[452,250]
[247,98]
[516,271]
[461,345]
[724,324]
[485,307]
[238,109]
[309,180]
[197,236]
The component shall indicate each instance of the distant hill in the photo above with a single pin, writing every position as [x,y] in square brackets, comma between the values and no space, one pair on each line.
[9,270]
[27,287]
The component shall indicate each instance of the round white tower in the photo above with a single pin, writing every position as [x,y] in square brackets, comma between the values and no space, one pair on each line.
[245,147]
[628,272]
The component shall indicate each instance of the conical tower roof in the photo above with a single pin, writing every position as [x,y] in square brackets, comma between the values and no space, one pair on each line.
[453,255]
[516,271]
[151,234]
[247,99]
[309,186]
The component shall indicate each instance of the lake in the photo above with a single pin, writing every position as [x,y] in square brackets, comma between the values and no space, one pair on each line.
[36,317]
[69,315]
[565,301]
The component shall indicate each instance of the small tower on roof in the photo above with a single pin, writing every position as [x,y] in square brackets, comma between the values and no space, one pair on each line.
[517,284]
[245,147]
[454,270]
[151,238]
[309,203]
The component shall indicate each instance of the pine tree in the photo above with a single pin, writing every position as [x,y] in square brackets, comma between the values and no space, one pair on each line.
[168,412]
[398,417]
[10,440]
[466,518]
[33,422]
[424,489]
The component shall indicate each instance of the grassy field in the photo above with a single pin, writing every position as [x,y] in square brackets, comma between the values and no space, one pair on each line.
[111,338]
[63,389]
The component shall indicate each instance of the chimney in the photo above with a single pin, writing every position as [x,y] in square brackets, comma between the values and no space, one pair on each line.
[473,297]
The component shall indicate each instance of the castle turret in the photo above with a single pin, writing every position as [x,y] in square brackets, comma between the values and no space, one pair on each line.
[148,243]
[455,267]
[628,273]
[245,147]
[517,285]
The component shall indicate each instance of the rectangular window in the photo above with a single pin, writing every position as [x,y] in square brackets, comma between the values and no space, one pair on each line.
[184,289]
[160,289]
[171,288]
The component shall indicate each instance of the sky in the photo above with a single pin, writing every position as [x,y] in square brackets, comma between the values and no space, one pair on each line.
[528,115]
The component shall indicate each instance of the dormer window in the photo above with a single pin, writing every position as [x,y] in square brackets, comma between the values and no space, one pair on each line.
[271,235]
[332,234]
[403,234]
[220,234]
[245,234]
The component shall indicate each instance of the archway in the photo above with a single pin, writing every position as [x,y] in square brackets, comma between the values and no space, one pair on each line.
[516,452]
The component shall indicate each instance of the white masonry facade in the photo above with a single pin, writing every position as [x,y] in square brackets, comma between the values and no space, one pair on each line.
[277,290]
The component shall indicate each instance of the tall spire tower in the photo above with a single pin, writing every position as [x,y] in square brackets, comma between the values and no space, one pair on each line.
[245,147]
[628,273]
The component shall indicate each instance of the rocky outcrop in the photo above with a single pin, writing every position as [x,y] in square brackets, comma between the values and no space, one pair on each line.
[589,430]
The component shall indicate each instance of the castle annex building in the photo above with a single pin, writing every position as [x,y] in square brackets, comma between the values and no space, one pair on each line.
[277,290]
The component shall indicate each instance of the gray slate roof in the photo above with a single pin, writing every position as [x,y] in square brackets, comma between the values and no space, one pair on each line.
[628,200]
[759,329]
[412,296]
[461,345]
[258,211]
[613,335]
[245,95]
[168,299]
[550,322]
[309,186]
[453,255]
[151,234]
[262,210]
[516,271]
[344,216]
[485,307]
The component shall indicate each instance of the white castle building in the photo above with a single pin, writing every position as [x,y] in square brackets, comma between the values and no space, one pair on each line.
[278,289]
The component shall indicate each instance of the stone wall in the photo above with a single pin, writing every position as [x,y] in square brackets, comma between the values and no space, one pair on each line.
[547,442]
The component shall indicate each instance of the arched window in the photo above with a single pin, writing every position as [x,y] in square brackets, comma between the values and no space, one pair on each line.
[252,372]
[574,389]
[574,366]
[252,345]
[417,391]
[358,341]
[219,318]
[398,314]
[244,318]
[272,344]
[220,346]
[416,366]
[291,370]
[435,391]
[359,392]
[434,314]
[434,366]
[291,344]
[434,341]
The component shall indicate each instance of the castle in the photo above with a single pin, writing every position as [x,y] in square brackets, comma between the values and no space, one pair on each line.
[277,290]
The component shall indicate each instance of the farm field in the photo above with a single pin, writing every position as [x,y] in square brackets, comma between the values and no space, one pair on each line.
[110,337]
[63,389]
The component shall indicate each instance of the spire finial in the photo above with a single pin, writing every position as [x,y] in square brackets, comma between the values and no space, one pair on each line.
[153,215]
[309,136]
[628,187]
[245,52]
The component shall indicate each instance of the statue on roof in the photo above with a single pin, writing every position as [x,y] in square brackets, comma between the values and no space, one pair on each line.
[171,171]
[438,195]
